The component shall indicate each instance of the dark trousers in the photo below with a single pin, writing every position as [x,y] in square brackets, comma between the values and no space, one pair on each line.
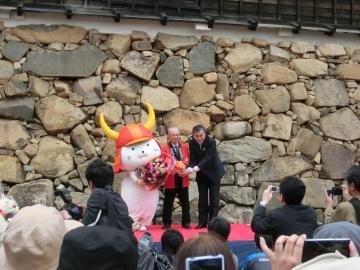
[170,194]
[207,190]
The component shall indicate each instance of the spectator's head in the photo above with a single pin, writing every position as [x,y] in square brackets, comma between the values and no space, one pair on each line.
[173,135]
[99,174]
[268,240]
[171,240]
[352,180]
[199,133]
[340,229]
[202,245]
[220,226]
[292,190]
[98,247]
[33,239]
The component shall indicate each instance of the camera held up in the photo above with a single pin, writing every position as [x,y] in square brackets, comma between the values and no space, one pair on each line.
[335,191]
[74,210]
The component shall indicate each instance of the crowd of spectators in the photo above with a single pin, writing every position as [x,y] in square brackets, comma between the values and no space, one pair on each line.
[41,238]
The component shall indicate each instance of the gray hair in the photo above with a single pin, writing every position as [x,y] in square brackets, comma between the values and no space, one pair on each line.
[173,129]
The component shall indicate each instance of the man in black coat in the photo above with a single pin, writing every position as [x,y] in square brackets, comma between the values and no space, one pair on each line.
[204,160]
[292,218]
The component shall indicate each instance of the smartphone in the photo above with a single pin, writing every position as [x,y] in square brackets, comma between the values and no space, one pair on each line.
[316,247]
[215,262]
[275,189]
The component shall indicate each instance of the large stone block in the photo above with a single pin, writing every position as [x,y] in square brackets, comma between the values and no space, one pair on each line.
[247,149]
[304,113]
[54,157]
[90,89]
[6,70]
[13,135]
[245,106]
[310,67]
[202,58]
[331,50]
[112,112]
[58,115]
[307,142]
[336,160]
[34,192]
[236,214]
[275,73]
[277,100]
[171,73]
[348,71]
[46,34]
[124,89]
[118,44]
[81,62]
[186,120]
[232,130]
[276,169]
[342,125]
[11,170]
[278,126]
[302,47]
[81,139]
[139,65]
[174,42]
[330,92]
[315,191]
[21,108]
[238,195]
[196,91]
[14,50]
[243,57]
[161,98]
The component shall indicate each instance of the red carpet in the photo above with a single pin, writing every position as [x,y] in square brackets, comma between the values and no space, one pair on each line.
[239,232]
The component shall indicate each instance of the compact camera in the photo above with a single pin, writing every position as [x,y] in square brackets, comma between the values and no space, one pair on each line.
[74,210]
[335,191]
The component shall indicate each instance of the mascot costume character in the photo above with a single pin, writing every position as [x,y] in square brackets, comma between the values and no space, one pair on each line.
[136,150]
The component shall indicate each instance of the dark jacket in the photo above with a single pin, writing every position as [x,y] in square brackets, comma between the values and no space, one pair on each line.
[114,211]
[98,248]
[206,158]
[287,220]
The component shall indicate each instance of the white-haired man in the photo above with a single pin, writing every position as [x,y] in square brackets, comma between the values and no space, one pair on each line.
[176,184]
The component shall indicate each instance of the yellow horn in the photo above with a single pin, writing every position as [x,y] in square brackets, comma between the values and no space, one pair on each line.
[150,123]
[108,131]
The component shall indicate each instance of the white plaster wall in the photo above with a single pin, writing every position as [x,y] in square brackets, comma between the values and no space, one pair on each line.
[125,26]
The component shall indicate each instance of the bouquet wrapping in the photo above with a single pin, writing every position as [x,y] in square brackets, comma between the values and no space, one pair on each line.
[154,173]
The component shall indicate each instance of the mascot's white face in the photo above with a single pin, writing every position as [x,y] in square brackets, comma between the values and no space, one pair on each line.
[135,155]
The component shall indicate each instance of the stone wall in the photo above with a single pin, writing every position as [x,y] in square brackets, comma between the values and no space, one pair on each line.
[276,109]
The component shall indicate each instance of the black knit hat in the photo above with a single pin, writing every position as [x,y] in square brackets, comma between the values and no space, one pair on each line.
[98,248]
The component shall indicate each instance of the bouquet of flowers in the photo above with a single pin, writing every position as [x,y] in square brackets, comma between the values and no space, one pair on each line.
[155,172]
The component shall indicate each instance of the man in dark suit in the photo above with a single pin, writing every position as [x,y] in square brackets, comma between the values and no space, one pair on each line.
[204,160]
[292,218]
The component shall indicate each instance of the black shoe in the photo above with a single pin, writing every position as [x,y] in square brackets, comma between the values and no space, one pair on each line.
[200,226]
[166,226]
[186,226]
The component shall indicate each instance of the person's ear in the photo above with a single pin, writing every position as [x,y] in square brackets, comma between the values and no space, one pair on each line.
[351,187]
[91,185]
[280,198]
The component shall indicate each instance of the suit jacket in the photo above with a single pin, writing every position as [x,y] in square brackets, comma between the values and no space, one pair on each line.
[287,220]
[206,158]
[170,182]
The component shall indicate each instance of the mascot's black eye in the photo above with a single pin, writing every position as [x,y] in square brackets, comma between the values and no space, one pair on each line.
[148,144]
[133,148]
